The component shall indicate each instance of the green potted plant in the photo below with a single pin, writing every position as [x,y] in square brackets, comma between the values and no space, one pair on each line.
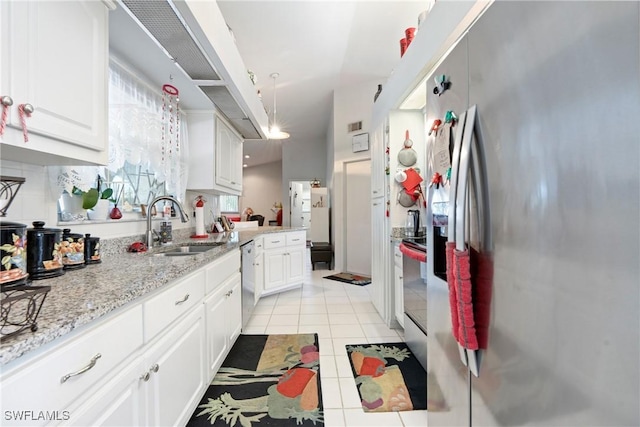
[91,196]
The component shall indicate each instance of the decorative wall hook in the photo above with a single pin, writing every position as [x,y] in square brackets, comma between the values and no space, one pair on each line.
[434,127]
[450,117]
[442,84]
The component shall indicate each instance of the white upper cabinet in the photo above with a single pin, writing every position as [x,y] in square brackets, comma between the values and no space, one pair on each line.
[228,171]
[216,160]
[54,57]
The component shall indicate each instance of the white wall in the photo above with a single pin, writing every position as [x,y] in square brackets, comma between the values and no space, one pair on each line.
[261,188]
[350,104]
[399,122]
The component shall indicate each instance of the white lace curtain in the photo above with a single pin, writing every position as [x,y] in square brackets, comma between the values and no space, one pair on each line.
[138,135]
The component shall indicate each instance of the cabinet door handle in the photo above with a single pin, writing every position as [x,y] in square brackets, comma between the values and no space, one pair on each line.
[375,191]
[186,297]
[6,101]
[376,204]
[91,364]
[145,377]
[28,108]
[399,277]
[155,367]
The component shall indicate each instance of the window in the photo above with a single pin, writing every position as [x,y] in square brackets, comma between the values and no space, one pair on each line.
[228,204]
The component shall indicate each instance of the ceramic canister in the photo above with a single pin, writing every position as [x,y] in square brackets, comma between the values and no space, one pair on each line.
[91,249]
[44,259]
[72,250]
[13,244]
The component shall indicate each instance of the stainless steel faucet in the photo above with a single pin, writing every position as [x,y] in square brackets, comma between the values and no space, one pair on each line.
[183,215]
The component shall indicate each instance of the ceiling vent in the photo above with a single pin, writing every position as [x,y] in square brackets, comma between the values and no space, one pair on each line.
[162,23]
[355,126]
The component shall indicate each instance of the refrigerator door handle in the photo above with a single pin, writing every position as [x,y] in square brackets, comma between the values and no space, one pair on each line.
[455,167]
[472,168]
[469,169]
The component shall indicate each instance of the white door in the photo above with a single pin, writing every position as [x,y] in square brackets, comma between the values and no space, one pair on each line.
[358,217]
[296,191]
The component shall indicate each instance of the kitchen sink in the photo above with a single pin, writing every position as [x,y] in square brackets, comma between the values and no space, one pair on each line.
[186,250]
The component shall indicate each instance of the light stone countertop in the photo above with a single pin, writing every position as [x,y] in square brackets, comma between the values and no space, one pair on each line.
[81,296]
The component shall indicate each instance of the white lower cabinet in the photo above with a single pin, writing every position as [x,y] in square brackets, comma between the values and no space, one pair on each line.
[174,375]
[119,403]
[160,387]
[224,321]
[150,363]
[284,260]
[58,378]
[146,365]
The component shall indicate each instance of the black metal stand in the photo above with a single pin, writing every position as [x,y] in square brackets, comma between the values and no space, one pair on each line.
[20,308]
[9,186]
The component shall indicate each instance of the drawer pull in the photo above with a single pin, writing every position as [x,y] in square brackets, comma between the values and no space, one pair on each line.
[296,240]
[275,241]
[155,367]
[186,297]
[91,364]
[145,377]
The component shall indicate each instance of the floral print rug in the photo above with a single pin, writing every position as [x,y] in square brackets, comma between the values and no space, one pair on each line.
[266,380]
[388,376]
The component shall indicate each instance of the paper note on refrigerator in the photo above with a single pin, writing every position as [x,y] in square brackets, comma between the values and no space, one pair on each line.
[442,156]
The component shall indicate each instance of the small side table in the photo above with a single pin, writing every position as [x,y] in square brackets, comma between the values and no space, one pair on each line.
[321,252]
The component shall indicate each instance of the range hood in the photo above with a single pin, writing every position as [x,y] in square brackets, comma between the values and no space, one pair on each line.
[196,39]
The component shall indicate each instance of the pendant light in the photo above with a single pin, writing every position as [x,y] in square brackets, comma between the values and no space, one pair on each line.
[274,129]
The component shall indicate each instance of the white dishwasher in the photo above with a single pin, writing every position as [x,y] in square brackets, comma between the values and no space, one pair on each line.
[248,281]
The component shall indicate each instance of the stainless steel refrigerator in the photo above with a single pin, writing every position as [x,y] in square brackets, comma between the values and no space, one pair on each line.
[557,96]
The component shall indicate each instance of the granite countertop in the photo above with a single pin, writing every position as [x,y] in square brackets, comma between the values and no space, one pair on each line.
[84,295]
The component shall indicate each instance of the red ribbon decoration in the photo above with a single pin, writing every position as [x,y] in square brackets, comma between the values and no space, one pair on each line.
[3,119]
[23,121]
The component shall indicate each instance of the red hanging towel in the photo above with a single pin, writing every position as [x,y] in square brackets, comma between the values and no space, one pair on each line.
[453,299]
[466,329]
[413,180]
[482,270]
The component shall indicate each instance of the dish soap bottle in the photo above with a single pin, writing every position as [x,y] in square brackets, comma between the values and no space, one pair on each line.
[165,226]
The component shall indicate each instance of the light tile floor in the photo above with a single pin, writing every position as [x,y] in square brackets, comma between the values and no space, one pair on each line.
[340,314]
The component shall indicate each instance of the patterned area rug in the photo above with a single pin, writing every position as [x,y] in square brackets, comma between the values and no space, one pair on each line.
[353,279]
[266,380]
[390,378]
